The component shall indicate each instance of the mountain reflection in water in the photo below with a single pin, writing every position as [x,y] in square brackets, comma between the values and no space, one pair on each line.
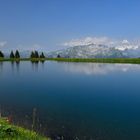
[99,68]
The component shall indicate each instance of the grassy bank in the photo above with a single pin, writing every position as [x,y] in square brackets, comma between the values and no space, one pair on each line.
[99,60]
[94,60]
[12,132]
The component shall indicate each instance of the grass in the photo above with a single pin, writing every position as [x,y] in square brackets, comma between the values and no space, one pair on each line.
[99,60]
[94,60]
[12,132]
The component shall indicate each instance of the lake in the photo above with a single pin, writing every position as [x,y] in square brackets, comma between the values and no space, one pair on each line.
[73,101]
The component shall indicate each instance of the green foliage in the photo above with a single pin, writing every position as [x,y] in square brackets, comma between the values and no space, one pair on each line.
[12,54]
[32,55]
[98,60]
[1,54]
[93,60]
[58,56]
[17,55]
[36,54]
[35,57]
[42,55]
[12,132]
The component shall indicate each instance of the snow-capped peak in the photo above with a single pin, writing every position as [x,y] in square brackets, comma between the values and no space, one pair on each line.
[87,41]
[126,45]
[125,42]
[104,41]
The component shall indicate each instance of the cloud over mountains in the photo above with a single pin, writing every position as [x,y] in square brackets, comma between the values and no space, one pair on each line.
[87,41]
[99,47]
[118,44]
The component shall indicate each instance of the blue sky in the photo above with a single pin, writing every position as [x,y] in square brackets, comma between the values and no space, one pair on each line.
[50,23]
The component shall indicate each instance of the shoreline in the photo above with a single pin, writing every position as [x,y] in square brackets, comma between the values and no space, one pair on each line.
[12,132]
[93,60]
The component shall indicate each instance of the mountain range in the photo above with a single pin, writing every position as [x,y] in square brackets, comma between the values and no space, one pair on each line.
[121,50]
[91,48]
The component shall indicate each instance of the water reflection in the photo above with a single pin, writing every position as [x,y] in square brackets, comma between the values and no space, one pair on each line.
[15,65]
[1,67]
[20,66]
[36,64]
[99,68]
[58,104]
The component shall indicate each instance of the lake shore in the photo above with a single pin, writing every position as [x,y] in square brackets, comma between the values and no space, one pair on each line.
[9,131]
[93,60]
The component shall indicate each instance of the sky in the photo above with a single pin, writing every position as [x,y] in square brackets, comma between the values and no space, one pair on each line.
[48,24]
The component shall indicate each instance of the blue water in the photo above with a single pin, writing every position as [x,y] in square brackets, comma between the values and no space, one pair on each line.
[85,101]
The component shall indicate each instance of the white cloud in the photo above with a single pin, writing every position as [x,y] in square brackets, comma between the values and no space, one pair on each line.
[99,69]
[125,42]
[87,41]
[3,43]
[118,44]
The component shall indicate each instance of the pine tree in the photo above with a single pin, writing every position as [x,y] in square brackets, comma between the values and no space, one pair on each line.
[12,55]
[17,55]
[32,55]
[1,54]
[42,55]
[58,56]
[36,54]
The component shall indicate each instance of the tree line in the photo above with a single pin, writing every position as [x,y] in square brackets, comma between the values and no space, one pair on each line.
[34,54]
[15,55]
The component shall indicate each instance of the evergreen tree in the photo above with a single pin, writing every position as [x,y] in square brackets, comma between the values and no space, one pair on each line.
[12,55]
[42,55]
[36,54]
[32,55]
[17,55]
[1,54]
[58,56]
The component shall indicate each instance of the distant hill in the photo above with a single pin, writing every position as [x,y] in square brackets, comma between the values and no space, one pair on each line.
[90,51]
